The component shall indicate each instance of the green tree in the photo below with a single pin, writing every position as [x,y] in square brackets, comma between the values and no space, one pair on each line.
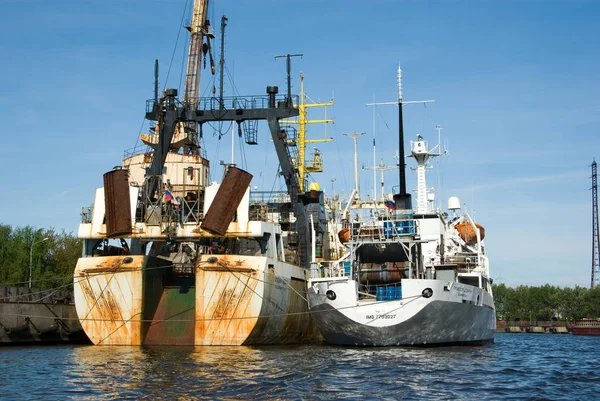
[52,260]
[501,294]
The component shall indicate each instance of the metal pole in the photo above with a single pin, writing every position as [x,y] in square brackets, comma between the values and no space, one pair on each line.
[402,164]
[355,136]
[30,263]
[595,228]
[222,62]
[156,82]
[289,77]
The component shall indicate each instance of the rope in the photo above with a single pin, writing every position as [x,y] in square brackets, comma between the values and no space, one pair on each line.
[207,319]
[238,277]
[176,42]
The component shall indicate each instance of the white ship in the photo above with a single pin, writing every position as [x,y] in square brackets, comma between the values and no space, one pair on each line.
[417,277]
[170,258]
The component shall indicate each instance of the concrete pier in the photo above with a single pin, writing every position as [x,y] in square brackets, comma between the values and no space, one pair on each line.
[32,316]
[541,327]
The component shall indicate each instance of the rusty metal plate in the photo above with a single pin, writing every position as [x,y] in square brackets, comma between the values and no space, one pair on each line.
[222,210]
[227,307]
[108,303]
[117,203]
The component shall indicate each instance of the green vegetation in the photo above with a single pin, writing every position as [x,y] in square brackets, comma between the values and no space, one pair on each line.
[53,259]
[546,303]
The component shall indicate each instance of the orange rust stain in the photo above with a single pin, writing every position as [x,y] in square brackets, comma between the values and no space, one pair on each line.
[113,309]
[240,329]
[104,320]
[223,314]
[222,309]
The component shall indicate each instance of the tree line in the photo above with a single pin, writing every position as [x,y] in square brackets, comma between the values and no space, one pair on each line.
[53,257]
[546,303]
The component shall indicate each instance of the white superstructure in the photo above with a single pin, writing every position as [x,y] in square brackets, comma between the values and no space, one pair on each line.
[411,277]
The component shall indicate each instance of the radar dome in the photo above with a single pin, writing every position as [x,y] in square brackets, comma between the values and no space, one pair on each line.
[453,203]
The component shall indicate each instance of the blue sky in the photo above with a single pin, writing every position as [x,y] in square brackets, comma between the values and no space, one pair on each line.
[515,84]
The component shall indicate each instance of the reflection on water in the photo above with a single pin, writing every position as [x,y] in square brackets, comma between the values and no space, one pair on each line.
[519,366]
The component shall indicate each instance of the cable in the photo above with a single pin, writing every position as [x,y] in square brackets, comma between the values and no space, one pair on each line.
[219,318]
[183,65]
[176,42]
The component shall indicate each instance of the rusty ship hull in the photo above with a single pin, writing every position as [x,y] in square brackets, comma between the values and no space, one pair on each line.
[170,257]
[167,278]
[230,300]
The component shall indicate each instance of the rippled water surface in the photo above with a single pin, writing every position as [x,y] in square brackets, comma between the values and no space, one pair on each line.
[517,366]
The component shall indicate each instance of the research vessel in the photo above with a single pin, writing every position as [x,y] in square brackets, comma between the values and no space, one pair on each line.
[171,258]
[411,276]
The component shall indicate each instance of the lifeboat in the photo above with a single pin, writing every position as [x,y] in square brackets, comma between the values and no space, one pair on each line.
[468,234]
[344,235]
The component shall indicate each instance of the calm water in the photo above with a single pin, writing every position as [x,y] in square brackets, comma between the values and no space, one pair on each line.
[517,366]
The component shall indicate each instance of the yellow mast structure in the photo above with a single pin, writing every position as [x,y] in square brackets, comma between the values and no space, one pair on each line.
[316,165]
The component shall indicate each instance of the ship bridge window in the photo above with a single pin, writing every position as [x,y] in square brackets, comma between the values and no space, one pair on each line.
[469,280]
[251,246]
[107,247]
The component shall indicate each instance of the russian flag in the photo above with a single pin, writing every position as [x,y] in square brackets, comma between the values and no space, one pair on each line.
[390,204]
[168,195]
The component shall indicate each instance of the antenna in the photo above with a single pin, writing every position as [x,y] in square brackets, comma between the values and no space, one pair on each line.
[381,167]
[222,62]
[355,135]
[595,232]
[289,79]
[402,198]
[375,157]
[156,82]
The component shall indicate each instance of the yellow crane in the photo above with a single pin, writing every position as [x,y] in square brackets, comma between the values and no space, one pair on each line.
[316,163]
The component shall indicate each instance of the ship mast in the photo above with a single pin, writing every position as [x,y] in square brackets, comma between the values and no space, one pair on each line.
[222,61]
[381,167]
[595,231]
[402,198]
[316,165]
[356,191]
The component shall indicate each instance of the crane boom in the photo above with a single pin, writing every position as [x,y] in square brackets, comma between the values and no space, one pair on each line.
[197,31]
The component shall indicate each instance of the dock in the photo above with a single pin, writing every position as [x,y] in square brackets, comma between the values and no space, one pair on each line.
[29,316]
[533,327]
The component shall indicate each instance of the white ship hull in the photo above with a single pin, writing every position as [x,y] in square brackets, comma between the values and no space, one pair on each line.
[454,314]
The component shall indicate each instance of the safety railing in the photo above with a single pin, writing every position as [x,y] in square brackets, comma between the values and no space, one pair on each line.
[269,196]
[383,230]
[214,103]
